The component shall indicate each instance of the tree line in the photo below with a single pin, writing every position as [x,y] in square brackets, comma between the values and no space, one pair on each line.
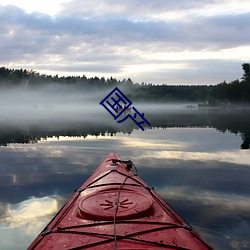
[236,91]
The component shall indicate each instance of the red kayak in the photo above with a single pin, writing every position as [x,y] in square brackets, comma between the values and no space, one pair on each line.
[116,209]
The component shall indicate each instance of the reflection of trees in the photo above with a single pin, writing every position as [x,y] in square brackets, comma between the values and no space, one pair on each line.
[246,141]
[8,137]
[35,133]
[234,121]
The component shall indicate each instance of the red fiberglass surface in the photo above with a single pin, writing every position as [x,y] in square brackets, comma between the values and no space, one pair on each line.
[116,209]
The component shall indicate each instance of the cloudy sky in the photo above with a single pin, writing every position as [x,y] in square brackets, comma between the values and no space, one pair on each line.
[156,41]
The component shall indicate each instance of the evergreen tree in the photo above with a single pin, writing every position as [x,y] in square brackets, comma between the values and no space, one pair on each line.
[246,69]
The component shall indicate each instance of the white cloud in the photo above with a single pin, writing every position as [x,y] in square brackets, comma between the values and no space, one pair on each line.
[45,6]
[25,220]
[29,211]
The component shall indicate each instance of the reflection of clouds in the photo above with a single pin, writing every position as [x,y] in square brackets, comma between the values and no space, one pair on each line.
[146,144]
[188,143]
[228,203]
[185,139]
[22,222]
[153,139]
[222,219]
[226,240]
[29,212]
[2,209]
[234,156]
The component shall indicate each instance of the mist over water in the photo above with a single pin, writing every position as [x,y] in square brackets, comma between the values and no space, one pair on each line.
[49,104]
[56,100]
[61,104]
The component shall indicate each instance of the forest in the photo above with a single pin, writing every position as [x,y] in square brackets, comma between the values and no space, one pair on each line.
[224,93]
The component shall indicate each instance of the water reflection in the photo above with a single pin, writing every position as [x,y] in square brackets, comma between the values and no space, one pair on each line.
[21,221]
[195,166]
[84,124]
[33,209]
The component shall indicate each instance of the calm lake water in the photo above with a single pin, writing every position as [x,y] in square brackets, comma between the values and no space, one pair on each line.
[197,160]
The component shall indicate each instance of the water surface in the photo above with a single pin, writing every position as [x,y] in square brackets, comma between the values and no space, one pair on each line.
[194,160]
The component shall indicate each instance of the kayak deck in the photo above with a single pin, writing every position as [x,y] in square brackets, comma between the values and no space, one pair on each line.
[116,209]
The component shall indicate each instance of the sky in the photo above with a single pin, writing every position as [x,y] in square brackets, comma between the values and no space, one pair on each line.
[152,41]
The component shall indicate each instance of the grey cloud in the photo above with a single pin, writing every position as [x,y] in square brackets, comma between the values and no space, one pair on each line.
[85,68]
[218,31]
[134,8]
[209,71]
[98,38]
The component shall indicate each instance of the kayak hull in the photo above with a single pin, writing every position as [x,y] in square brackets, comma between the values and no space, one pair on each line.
[116,209]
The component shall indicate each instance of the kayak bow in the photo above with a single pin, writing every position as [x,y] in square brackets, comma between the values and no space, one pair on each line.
[116,209]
